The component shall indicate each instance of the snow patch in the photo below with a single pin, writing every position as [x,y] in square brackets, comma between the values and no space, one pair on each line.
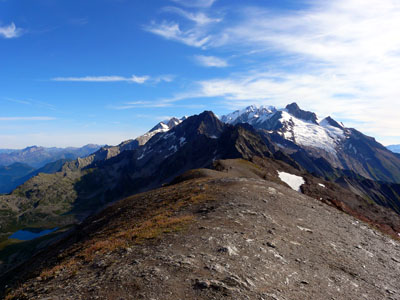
[182,141]
[168,135]
[164,126]
[291,180]
[304,229]
[141,156]
[323,185]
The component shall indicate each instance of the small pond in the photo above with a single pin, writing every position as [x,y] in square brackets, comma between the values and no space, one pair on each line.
[30,233]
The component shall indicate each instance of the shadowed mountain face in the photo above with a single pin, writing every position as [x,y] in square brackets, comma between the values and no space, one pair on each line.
[295,111]
[344,148]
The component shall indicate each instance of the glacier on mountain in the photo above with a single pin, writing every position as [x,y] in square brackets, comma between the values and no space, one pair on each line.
[326,134]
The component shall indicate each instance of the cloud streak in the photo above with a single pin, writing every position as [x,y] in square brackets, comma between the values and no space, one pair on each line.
[31,102]
[171,31]
[132,79]
[140,104]
[195,3]
[199,18]
[10,31]
[211,61]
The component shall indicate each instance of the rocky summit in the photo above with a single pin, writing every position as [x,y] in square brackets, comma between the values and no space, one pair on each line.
[262,203]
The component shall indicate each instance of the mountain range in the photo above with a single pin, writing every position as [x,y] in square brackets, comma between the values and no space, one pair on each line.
[345,148]
[37,157]
[289,147]
[17,166]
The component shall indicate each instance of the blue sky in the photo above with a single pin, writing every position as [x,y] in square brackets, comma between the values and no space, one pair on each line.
[78,72]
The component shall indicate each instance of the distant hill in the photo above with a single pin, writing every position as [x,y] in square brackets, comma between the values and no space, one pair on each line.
[394,148]
[10,175]
[16,174]
[37,157]
[18,166]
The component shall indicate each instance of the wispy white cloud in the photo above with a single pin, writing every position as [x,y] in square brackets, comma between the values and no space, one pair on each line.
[159,103]
[199,18]
[334,57]
[140,104]
[211,61]
[31,102]
[171,31]
[163,78]
[27,118]
[196,33]
[25,102]
[133,78]
[10,31]
[195,3]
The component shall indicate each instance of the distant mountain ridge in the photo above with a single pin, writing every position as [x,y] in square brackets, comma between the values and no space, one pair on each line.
[16,174]
[37,157]
[108,152]
[10,176]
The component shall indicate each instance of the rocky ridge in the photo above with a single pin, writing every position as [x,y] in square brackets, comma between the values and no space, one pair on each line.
[216,235]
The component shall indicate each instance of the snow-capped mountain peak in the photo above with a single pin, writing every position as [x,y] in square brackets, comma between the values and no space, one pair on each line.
[250,114]
[292,123]
[328,121]
[163,126]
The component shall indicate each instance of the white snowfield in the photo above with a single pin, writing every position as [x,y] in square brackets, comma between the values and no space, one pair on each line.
[252,112]
[291,180]
[305,133]
[162,127]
